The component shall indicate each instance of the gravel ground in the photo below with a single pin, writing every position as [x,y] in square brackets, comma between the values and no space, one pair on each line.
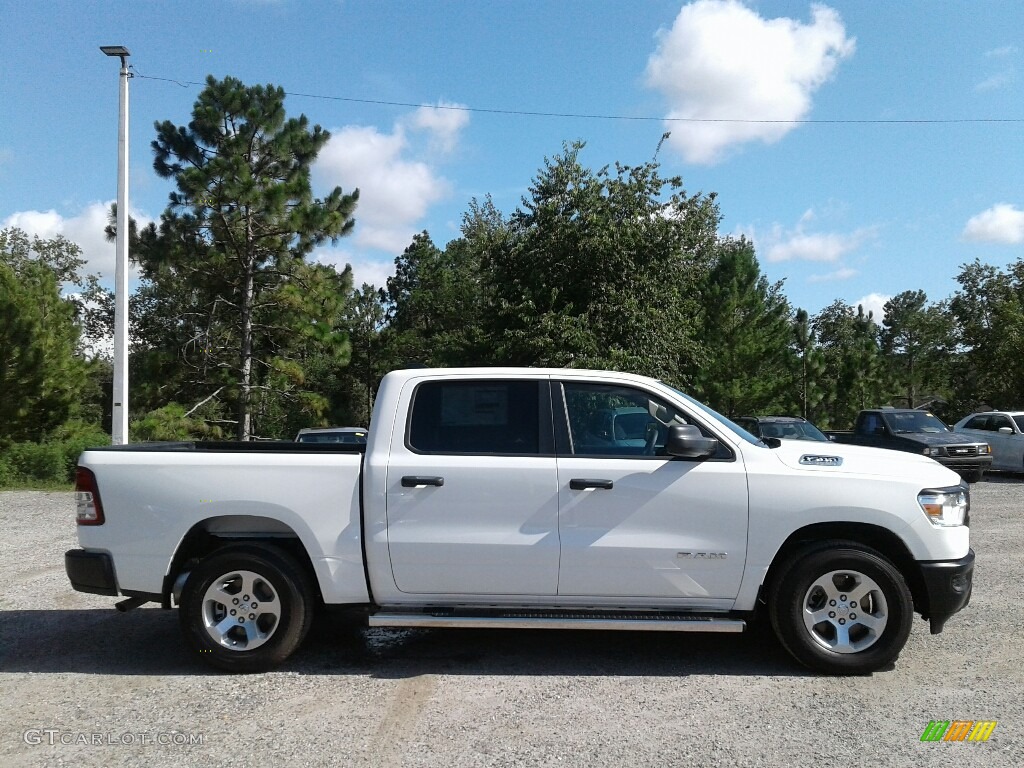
[84,685]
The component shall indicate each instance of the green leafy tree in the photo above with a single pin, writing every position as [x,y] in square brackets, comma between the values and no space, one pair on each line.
[599,269]
[811,366]
[747,330]
[227,260]
[93,305]
[41,374]
[351,390]
[853,367]
[916,339]
[988,311]
[436,300]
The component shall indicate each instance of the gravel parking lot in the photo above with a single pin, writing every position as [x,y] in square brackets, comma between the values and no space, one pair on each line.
[84,685]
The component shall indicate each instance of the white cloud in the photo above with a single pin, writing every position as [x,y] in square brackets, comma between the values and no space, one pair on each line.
[843,273]
[874,303]
[444,122]
[1002,223]
[396,189]
[85,230]
[830,246]
[1002,52]
[798,245]
[722,61]
[1003,56]
[995,82]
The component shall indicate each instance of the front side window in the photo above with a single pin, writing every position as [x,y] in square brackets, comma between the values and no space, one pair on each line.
[978,422]
[1000,421]
[612,420]
[476,417]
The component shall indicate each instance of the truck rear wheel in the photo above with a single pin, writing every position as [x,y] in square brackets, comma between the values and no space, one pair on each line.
[842,608]
[246,609]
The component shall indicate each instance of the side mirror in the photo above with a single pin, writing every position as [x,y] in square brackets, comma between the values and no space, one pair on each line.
[687,442]
[1005,431]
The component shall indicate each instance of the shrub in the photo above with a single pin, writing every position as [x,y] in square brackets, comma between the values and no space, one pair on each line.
[51,461]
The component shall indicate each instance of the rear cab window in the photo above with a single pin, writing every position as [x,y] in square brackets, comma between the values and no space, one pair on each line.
[483,416]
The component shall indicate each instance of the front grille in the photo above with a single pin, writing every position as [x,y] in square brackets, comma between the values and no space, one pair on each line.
[962,450]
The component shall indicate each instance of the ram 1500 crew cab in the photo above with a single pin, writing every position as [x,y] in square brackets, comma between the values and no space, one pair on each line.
[503,498]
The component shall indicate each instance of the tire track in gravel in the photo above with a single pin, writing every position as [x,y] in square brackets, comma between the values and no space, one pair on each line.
[398,724]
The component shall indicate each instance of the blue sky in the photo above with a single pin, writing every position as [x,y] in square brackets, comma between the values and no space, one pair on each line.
[857,209]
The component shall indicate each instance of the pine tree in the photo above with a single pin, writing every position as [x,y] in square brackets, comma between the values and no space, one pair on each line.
[228,256]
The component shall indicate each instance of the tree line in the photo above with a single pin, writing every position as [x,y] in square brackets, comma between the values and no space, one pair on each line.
[237,333]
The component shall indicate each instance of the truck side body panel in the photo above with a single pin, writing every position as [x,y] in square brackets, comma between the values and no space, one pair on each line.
[152,499]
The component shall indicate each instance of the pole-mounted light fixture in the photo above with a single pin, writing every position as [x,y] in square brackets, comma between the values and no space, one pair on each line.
[119,413]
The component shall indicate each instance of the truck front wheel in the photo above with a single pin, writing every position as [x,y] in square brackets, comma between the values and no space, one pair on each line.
[246,609]
[841,608]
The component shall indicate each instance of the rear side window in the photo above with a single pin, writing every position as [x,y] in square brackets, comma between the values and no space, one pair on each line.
[484,417]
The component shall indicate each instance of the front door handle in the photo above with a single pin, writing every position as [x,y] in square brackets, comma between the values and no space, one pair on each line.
[416,481]
[582,483]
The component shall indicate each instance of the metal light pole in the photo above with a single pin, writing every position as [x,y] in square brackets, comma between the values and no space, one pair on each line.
[119,415]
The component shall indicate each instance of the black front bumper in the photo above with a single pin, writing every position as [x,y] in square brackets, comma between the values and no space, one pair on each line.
[91,572]
[965,464]
[948,585]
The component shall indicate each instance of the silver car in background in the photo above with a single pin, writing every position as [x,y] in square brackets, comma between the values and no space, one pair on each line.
[1004,431]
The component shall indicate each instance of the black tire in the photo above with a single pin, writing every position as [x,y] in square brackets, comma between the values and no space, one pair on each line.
[974,477]
[276,616]
[835,575]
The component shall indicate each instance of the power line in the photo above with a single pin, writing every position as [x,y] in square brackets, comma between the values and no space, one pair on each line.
[640,118]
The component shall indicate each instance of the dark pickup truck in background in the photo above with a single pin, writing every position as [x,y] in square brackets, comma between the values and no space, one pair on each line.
[902,429]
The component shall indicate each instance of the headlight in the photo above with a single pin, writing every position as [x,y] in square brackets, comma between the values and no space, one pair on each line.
[944,506]
[984,448]
[932,451]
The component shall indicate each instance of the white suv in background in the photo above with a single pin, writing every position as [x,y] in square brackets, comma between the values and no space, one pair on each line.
[1004,431]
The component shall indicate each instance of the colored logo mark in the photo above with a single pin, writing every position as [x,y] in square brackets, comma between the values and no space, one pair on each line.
[958,730]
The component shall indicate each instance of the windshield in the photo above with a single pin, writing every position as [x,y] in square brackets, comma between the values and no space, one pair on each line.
[1019,421]
[913,421]
[736,428]
[793,430]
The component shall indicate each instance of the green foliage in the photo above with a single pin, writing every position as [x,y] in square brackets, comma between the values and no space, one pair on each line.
[435,302]
[50,461]
[810,387]
[92,305]
[746,325]
[852,363]
[988,310]
[227,289]
[41,376]
[171,423]
[916,341]
[598,269]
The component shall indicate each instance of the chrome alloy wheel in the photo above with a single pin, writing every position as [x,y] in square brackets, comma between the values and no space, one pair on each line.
[241,610]
[845,611]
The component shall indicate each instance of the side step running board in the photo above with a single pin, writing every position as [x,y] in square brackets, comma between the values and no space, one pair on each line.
[660,622]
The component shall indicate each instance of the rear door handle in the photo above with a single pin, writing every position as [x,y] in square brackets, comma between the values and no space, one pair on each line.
[582,483]
[416,481]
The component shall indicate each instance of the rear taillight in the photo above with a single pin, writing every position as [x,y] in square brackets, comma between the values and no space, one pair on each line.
[88,509]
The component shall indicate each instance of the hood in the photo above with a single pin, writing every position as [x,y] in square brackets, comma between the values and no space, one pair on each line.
[858,460]
[941,438]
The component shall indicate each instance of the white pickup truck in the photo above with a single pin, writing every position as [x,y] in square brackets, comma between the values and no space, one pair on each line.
[529,498]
